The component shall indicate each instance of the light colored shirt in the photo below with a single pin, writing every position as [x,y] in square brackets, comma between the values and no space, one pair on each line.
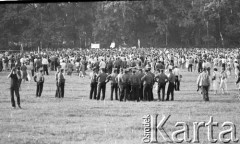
[44,61]
[102,64]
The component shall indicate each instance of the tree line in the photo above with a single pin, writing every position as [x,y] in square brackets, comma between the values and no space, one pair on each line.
[155,23]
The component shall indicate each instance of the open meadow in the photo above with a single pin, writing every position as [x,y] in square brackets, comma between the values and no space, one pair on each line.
[78,120]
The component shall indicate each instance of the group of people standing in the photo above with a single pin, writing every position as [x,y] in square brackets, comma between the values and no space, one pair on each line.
[132,73]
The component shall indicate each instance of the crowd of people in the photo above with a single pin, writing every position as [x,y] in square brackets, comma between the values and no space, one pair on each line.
[132,73]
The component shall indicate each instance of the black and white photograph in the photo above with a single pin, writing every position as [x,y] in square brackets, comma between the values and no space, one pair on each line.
[120,72]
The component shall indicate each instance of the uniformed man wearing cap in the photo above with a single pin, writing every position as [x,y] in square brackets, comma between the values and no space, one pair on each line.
[147,82]
[161,79]
[135,85]
[171,80]
[114,85]
[93,84]
[124,80]
[101,78]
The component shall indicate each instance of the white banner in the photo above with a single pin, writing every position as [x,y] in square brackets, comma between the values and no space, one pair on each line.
[112,45]
[95,45]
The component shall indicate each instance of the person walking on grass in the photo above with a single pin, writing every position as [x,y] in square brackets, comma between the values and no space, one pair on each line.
[39,79]
[14,87]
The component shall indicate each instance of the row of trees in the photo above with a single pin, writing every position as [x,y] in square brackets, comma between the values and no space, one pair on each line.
[155,23]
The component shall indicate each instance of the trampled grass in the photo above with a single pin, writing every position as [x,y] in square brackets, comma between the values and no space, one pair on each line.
[78,120]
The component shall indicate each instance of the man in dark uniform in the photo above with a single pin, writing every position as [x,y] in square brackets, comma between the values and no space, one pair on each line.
[135,84]
[171,80]
[61,83]
[114,84]
[117,64]
[14,87]
[129,94]
[147,82]
[124,79]
[101,78]
[140,75]
[93,85]
[151,88]
[39,79]
[161,79]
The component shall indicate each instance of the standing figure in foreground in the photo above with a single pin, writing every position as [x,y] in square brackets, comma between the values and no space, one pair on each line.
[14,87]
[161,79]
[93,85]
[204,81]
[61,83]
[101,84]
[171,79]
[114,84]
[39,79]
[56,77]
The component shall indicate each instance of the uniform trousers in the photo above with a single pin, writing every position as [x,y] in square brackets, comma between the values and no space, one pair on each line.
[93,90]
[101,87]
[114,88]
[170,91]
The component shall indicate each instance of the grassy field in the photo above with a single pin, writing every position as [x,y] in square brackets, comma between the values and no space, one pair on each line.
[78,120]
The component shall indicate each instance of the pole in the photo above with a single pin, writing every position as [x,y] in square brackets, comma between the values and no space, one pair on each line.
[207,35]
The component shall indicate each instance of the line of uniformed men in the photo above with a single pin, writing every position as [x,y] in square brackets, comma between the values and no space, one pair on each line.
[132,84]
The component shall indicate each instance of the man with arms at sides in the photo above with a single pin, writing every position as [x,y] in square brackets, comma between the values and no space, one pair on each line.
[93,85]
[171,80]
[39,79]
[101,78]
[114,85]
[161,79]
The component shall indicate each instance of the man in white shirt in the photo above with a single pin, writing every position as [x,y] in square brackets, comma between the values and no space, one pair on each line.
[176,72]
[45,65]
[102,64]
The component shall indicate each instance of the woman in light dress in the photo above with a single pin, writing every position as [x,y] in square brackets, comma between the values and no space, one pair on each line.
[223,81]
[216,80]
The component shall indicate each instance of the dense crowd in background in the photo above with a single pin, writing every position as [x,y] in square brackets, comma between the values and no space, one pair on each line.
[132,73]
